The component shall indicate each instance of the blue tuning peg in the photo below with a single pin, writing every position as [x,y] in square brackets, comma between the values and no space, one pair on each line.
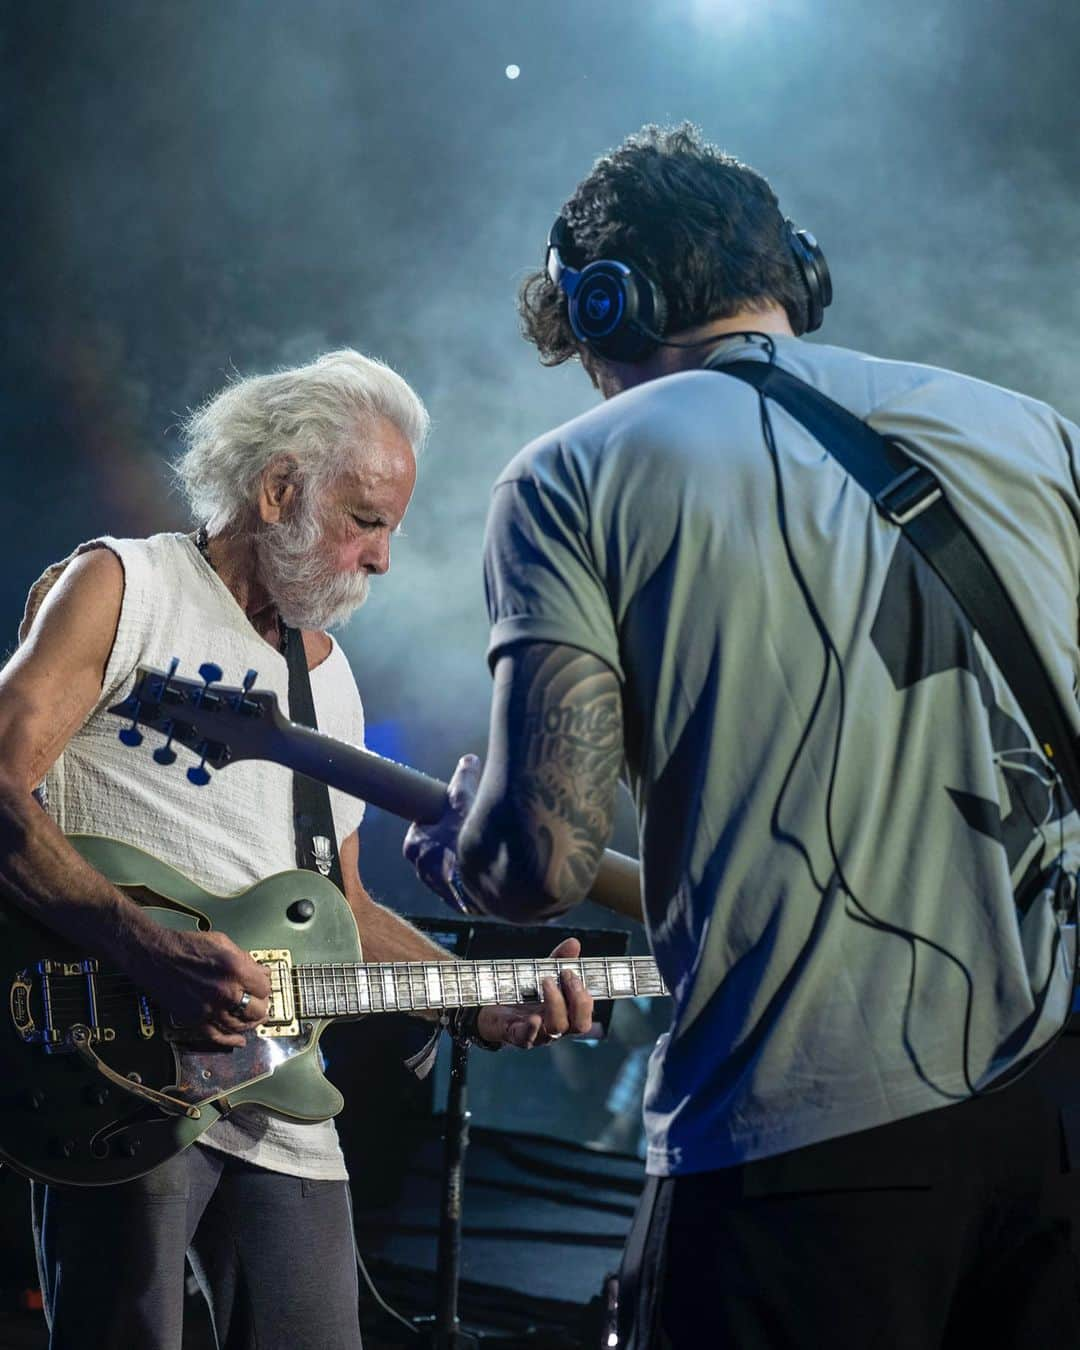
[165,754]
[210,674]
[249,680]
[162,684]
[132,735]
[199,774]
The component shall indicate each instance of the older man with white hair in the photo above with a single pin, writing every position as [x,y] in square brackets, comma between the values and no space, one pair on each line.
[299,478]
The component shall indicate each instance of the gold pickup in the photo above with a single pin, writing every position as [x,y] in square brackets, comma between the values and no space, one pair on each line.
[281,1018]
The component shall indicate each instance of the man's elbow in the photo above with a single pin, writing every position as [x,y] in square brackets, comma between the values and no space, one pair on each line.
[515,903]
[504,871]
[15,806]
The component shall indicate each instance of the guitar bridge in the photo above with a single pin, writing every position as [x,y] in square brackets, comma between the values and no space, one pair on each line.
[281,1019]
[44,982]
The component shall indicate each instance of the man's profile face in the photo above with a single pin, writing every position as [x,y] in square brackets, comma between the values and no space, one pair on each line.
[316,564]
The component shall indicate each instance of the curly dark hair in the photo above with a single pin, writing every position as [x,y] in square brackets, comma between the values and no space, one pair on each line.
[704,227]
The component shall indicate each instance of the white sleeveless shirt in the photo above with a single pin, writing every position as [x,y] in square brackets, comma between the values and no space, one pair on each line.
[237,829]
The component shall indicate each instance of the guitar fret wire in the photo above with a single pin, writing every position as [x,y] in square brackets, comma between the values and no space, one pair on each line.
[323,988]
[404,971]
[410,983]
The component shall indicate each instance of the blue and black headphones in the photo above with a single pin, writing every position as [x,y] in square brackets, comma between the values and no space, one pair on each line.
[620,314]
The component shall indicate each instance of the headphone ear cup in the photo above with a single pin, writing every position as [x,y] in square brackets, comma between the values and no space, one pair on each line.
[616,311]
[814,271]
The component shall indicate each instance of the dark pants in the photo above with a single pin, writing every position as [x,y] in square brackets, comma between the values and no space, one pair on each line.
[960,1226]
[273,1254]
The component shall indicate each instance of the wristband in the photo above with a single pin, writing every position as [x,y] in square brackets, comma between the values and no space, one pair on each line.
[461,1024]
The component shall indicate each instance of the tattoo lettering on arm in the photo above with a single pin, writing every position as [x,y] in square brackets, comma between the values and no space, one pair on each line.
[565,748]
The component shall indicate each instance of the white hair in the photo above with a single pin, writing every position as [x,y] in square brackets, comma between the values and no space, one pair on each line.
[309,413]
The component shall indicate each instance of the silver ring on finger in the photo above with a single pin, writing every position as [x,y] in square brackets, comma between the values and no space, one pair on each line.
[555,1035]
[238,1007]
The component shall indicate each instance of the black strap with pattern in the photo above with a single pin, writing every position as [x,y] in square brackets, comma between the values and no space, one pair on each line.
[313,819]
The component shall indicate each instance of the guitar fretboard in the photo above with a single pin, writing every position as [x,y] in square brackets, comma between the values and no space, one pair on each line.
[340,989]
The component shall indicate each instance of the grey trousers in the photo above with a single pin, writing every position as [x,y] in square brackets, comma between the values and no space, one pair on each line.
[273,1254]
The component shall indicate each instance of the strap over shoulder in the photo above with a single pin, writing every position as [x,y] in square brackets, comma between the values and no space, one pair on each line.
[909,496]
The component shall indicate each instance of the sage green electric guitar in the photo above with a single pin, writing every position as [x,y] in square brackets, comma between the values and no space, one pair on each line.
[96,1085]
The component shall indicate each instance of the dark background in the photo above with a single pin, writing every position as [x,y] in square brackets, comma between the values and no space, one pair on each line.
[197,189]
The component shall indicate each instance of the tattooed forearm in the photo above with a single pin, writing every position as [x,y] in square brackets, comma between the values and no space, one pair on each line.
[567,762]
[559,732]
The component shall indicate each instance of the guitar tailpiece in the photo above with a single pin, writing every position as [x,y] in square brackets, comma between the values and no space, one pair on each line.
[79,1039]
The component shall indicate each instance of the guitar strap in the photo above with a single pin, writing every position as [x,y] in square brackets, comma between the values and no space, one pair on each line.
[313,821]
[907,493]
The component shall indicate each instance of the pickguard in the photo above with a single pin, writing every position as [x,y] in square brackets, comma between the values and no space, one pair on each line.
[208,1073]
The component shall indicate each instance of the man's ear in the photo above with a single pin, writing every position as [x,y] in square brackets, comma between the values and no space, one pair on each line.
[279,486]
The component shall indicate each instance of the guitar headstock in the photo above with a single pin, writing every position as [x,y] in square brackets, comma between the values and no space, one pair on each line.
[221,723]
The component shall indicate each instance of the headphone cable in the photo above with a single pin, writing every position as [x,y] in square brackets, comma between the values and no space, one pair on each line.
[868,918]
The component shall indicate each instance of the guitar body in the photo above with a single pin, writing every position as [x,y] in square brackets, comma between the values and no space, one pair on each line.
[63,1119]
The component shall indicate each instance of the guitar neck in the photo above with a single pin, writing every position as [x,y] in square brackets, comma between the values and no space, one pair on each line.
[350,988]
[392,787]
[412,795]
[224,724]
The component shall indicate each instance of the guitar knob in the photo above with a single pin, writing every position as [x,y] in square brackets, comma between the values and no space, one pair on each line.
[300,911]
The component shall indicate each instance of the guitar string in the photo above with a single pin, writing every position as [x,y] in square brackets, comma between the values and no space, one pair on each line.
[505,969]
[410,980]
[509,967]
[372,997]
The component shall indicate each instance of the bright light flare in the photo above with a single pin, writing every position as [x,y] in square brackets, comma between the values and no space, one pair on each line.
[512,72]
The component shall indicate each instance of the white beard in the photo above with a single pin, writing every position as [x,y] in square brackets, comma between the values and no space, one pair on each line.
[304,589]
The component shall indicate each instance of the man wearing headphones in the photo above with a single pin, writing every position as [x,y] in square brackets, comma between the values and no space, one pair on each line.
[858,859]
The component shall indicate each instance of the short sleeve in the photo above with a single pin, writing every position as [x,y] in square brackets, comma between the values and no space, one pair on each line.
[540,575]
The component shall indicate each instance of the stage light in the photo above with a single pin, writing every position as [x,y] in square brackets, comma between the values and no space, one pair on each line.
[512,72]
[732,16]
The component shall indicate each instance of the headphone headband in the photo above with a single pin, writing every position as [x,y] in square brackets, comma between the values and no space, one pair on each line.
[620,314]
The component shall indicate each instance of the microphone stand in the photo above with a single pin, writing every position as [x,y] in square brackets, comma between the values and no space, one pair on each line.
[447,1334]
